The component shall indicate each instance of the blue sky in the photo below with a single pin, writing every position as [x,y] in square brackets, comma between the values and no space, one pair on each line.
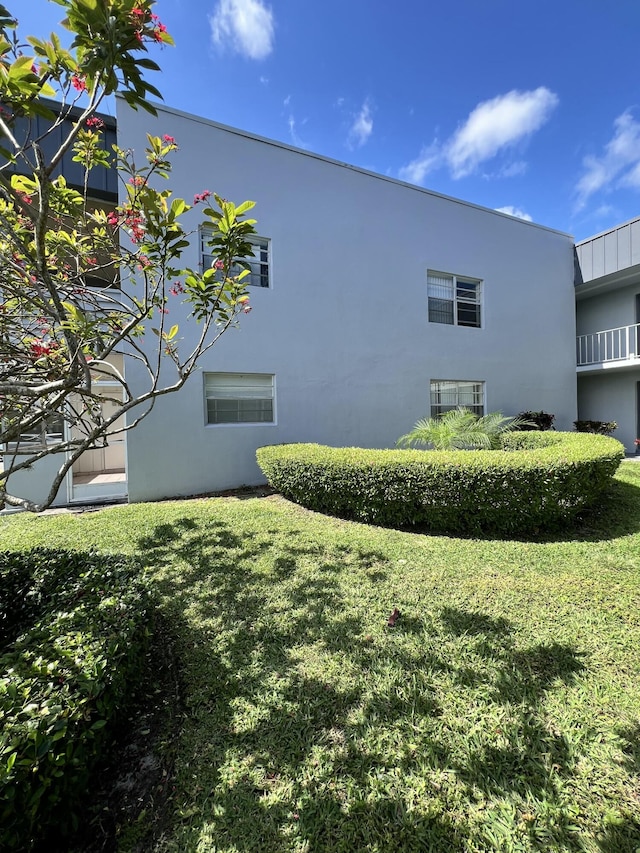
[531,107]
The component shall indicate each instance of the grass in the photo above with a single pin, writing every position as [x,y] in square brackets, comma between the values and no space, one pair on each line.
[502,713]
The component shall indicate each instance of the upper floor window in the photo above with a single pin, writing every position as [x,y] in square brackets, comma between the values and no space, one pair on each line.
[258,262]
[453,300]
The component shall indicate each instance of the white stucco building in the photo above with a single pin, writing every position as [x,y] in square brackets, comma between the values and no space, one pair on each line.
[384,302]
[375,303]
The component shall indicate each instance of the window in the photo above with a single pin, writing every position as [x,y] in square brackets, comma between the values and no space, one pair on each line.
[453,300]
[48,431]
[258,264]
[239,398]
[447,394]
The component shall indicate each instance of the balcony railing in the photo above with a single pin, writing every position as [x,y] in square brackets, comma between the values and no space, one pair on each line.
[619,344]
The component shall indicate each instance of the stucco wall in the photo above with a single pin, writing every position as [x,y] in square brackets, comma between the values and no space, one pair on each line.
[344,327]
[608,310]
[34,483]
[611,397]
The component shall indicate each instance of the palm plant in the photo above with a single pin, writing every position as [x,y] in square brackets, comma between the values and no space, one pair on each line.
[461,429]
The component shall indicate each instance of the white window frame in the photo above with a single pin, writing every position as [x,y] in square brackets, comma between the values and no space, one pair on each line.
[457,399]
[449,288]
[259,267]
[228,383]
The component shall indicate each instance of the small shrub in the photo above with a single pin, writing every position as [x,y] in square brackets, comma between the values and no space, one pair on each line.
[597,427]
[461,429]
[540,421]
[551,478]
[74,630]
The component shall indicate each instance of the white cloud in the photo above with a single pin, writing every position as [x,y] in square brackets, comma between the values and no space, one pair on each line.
[264,80]
[362,127]
[293,133]
[519,167]
[491,127]
[497,124]
[245,26]
[619,165]
[606,211]
[430,158]
[515,211]
[287,101]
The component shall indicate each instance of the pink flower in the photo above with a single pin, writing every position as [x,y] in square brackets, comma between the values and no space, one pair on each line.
[198,197]
[113,218]
[78,83]
[175,289]
[168,139]
[40,348]
[158,30]
[94,121]
[218,264]
[137,181]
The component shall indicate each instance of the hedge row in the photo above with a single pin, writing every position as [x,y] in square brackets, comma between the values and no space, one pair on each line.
[73,631]
[538,482]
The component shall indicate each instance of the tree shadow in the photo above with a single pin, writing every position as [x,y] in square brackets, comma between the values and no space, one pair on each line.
[277,741]
[526,756]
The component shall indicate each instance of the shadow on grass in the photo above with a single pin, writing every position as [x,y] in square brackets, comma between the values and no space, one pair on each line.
[622,832]
[305,730]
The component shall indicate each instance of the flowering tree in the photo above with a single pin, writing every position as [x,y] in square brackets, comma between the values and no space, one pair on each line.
[59,334]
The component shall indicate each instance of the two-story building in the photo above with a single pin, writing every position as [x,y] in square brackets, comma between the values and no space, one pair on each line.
[375,303]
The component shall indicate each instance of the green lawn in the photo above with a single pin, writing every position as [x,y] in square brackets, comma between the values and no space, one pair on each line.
[502,713]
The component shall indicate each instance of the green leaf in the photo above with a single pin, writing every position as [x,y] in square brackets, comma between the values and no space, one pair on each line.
[246,205]
[11,761]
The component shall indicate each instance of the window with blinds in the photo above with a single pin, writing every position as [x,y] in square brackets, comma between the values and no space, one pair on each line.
[447,394]
[453,300]
[258,265]
[239,398]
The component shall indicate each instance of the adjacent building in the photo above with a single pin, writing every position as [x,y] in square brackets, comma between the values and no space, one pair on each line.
[607,318]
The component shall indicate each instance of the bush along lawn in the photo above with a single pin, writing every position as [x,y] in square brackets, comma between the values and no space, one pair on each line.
[73,630]
[500,713]
[540,481]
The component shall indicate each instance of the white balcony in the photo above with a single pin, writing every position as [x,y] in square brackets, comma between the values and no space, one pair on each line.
[611,348]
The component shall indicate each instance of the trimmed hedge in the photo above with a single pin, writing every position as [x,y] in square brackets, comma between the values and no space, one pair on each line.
[538,482]
[73,631]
